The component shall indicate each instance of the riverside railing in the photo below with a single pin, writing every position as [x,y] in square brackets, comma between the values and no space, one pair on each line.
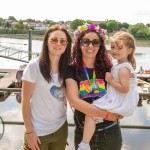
[17,54]
[72,125]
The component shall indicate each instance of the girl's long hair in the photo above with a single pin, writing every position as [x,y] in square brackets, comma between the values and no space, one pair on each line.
[102,63]
[45,63]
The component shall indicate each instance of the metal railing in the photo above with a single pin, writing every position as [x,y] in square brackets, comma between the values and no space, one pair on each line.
[16,54]
[72,125]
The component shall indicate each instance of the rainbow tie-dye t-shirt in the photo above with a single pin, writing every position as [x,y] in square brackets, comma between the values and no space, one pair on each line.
[85,89]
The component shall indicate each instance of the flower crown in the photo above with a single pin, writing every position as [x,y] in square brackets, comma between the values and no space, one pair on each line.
[99,30]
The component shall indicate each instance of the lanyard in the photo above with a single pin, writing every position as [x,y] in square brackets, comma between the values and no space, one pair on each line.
[93,78]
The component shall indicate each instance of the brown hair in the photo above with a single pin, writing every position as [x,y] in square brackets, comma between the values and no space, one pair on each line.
[129,41]
[45,63]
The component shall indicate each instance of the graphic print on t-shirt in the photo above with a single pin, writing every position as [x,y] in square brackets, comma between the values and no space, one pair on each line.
[58,93]
[85,89]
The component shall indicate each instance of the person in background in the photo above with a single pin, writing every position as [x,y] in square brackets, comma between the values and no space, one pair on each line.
[122,95]
[43,96]
[85,82]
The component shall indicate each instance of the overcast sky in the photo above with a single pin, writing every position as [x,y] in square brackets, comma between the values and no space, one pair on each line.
[130,11]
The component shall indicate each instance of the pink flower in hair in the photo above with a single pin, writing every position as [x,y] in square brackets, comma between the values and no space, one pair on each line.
[100,29]
[92,26]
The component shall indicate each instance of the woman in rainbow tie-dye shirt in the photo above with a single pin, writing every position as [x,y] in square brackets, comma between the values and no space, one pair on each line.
[85,82]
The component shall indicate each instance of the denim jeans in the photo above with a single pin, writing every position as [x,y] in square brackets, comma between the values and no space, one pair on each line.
[110,139]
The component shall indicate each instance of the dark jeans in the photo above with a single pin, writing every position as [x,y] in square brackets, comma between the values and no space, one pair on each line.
[110,139]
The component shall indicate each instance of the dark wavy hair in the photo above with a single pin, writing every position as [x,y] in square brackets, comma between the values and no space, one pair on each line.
[102,63]
[45,63]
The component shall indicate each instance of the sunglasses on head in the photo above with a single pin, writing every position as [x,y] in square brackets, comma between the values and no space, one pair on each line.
[63,42]
[116,45]
[86,42]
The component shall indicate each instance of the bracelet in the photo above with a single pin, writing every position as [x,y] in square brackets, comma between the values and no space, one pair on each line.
[29,132]
[106,117]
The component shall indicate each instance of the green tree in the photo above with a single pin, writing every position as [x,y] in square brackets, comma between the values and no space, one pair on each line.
[12,18]
[133,29]
[29,20]
[50,22]
[119,26]
[141,33]
[112,26]
[75,23]
[19,25]
[148,34]
[148,25]
[125,25]
[103,25]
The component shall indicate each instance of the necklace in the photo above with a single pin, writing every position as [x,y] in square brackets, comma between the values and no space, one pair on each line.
[92,85]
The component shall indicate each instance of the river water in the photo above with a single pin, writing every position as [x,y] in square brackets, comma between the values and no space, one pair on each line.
[10,109]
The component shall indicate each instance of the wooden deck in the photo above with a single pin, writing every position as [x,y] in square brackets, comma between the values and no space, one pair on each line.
[6,82]
[9,78]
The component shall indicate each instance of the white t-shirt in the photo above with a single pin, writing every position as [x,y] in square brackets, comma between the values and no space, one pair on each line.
[48,101]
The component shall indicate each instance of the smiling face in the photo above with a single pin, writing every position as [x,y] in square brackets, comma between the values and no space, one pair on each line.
[120,51]
[90,45]
[57,43]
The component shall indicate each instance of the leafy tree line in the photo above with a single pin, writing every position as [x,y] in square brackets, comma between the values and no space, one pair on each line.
[139,30]
[6,23]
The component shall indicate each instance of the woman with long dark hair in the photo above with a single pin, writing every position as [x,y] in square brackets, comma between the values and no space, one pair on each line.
[43,96]
[85,82]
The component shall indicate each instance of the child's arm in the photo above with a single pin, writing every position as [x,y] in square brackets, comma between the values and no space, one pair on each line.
[124,76]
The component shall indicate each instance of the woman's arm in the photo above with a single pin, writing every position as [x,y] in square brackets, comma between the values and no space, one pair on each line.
[123,85]
[81,105]
[27,90]
[32,138]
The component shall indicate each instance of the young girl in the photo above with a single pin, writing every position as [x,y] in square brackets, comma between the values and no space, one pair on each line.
[122,95]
